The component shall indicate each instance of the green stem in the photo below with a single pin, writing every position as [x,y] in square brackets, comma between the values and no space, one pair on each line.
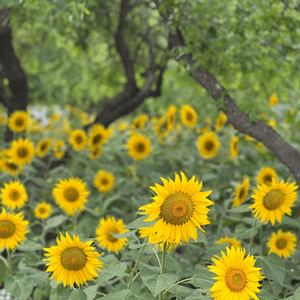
[135,266]
[260,240]
[10,261]
[252,237]
[176,283]
[74,219]
[155,255]
[163,267]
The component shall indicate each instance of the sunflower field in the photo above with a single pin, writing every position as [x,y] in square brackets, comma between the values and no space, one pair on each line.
[153,207]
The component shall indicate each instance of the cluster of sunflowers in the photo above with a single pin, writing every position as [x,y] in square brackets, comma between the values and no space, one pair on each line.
[175,217]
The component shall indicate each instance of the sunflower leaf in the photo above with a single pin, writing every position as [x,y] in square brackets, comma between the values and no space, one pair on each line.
[202,278]
[55,221]
[19,286]
[139,223]
[65,293]
[120,295]
[164,281]
[240,209]
[30,246]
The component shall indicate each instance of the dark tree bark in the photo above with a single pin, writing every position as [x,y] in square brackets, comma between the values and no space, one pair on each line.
[11,69]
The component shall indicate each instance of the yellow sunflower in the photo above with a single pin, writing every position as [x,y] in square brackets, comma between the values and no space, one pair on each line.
[70,195]
[42,210]
[72,261]
[266,176]
[241,192]
[14,195]
[273,100]
[162,127]
[233,242]
[272,202]
[178,208]
[220,122]
[272,123]
[171,115]
[139,146]
[96,153]
[12,229]
[18,121]
[282,243]
[259,146]
[237,278]
[140,121]
[78,139]
[105,237]
[7,166]
[208,145]
[104,181]
[97,136]
[43,147]
[248,138]
[59,149]
[188,116]
[21,152]
[234,147]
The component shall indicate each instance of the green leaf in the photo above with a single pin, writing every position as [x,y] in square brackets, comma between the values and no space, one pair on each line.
[215,250]
[139,223]
[30,246]
[241,232]
[120,295]
[19,286]
[55,221]
[202,278]
[124,235]
[109,201]
[65,293]
[112,269]
[164,281]
[3,271]
[240,209]
[265,295]
[201,237]
[91,291]
[272,267]
[150,278]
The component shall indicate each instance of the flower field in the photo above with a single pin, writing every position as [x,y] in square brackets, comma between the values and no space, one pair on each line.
[153,207]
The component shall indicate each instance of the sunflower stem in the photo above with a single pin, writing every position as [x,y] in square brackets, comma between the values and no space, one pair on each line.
[10,261]
[135,266]
[163,267]
[176,283]
[252,237]
[74,219]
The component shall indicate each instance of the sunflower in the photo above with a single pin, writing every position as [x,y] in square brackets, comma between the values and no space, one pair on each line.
[237,278]
[140,121]
[104,181]
[12,229]
[43,147]
[105,237]
[241,192]
[266,176]
[21,152]
[162,127]
[234,147]
[97,136]
[178,208]
[7,166]
[208,145]
[171,114]
[259,146]
[78,139]
[272,123]
[139,146]
[70,195]
[42,210]
[233,242]
[220,122]
[96,153]
[123,126]
[188,115]
[14,195]
[72,261]
[248,138]
[18,121]
[272,202]
[59,149]
[273,100]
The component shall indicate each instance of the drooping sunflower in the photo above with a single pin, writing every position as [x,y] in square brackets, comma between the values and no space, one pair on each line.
[266,176]
[70,194]
[43,147]
[72,261]
[139,146]
[234,147]
[272,202]
[104,234]
[18,121]
[171,116]
[12,229]
[42,210]
[140,121]
[59,149]
[188,115]
[273,100]
[14,195]
[241,192]
[104,181]
[237,278]
[220,122]
[78,139]
[282,243]
[178,208]
[7,166]
[21,152]
[97,136]
[233,242]
[208,145]
[96,153]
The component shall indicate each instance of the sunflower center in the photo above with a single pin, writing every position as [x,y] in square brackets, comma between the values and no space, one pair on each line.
[11,166]
[104,181]
[78,139]
[235,146]
[73,259]
[235,280]
[109,235]
[242,193]
[22,152]
[267,179]
[177,208]
[209,145]
[97,138]
[273,199]
[71,194]
[7,229]
[42,210]
[19,122]
[43,146]
[189,116]
[281,243]
[14,195]
[140,147]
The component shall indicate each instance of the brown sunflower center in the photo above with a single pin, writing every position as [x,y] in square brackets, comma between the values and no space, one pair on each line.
[71,194]
[19,122]
[109,235]
[73,259]
[43,146]
[79,139]
[104,181]
[11,166]
[97,139]
[42,210]
[7,229]
[177,208]
[189,116]
[273,199]
[242,193]
[281,243]
[235,280]
[267,179]
[140,147]
[209,145]
[14,195]
[235,147]
[22,152]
